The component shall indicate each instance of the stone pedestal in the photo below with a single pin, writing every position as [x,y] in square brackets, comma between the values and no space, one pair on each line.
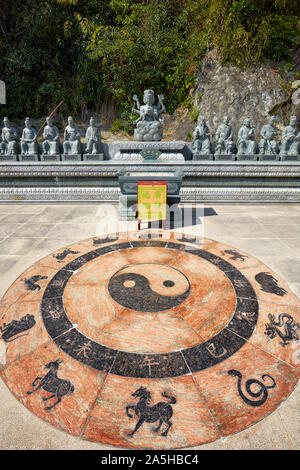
[200,156]
[146,131]
[225,156]
[8,158]
[173,151]
[89,157]
[270,157]
[28,157]
[290,158]
[50,158]
[250,157]
[71,157]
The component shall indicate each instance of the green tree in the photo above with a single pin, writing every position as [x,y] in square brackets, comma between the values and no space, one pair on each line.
[86,52]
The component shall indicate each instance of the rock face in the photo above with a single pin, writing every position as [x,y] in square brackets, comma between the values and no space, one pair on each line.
[229,91]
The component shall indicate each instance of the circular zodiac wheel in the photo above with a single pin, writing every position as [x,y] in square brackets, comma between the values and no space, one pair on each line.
[150,340]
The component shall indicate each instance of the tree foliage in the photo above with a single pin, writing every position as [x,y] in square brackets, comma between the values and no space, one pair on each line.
[90,51]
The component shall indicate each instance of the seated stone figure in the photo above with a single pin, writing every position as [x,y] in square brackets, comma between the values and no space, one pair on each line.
[224,141]
[290,139]
[71,144]
[201,143]
[268,144]
[29,145]
[50,144]
[246,139]
[149,123]
[9,144]
[93,139]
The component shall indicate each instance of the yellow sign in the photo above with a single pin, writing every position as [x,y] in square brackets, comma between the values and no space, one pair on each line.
[152,200]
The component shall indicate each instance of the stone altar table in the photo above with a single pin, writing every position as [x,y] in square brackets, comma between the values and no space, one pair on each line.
[128,185]
[130,151]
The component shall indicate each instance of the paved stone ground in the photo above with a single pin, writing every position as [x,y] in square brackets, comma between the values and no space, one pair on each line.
[29,232]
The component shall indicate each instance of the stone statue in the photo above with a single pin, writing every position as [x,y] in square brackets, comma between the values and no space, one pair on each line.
[93,138]
[71,144]
[268,144]
[201,143]
[290,139]
[50,144]
[9,136]
[246,139]
[224,138]
[29,145]
[149,123]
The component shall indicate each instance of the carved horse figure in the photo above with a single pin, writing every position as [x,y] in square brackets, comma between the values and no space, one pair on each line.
[161,411]
[53,384]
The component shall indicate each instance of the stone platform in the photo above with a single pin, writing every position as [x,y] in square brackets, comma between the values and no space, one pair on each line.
[31,232]
[146,317]
[203,181]
[132,151]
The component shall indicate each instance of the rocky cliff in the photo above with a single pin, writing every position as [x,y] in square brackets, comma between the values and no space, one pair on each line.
[255,92]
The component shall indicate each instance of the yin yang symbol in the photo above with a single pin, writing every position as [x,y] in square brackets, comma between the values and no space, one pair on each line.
[149,287]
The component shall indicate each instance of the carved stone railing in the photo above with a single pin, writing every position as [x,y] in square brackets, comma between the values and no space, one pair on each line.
[211,181]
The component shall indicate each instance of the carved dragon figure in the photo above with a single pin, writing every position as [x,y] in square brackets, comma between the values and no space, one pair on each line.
[286,321]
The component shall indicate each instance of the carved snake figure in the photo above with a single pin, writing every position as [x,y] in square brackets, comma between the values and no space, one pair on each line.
[262,392]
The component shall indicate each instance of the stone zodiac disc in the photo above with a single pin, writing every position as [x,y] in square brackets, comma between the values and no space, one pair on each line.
[150,339]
